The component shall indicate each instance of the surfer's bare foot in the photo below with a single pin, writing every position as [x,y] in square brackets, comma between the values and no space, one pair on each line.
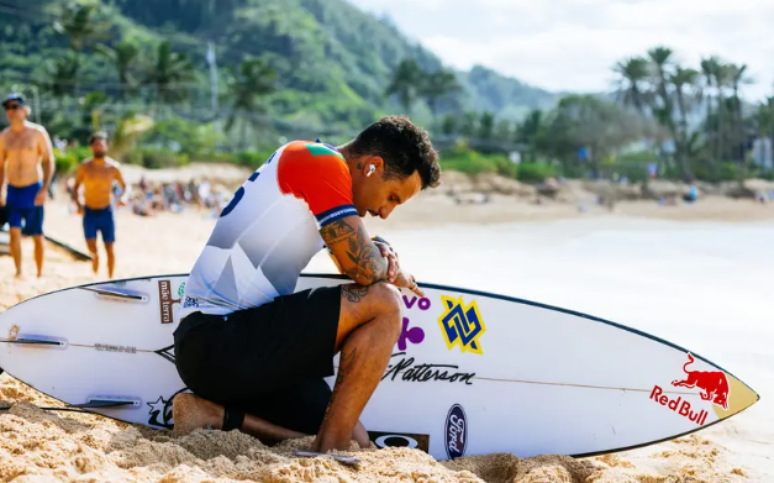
[19,276]
[191,412]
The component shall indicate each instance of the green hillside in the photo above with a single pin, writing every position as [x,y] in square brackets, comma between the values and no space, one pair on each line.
[333,60]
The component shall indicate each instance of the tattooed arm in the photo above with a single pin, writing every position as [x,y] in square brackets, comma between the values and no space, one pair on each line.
[358,257]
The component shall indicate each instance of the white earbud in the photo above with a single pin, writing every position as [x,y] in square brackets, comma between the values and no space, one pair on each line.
[371,170]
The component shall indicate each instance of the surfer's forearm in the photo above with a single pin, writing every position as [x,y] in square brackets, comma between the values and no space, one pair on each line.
[359,257]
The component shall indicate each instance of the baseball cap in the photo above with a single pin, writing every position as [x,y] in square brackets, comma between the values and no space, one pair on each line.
[15,97]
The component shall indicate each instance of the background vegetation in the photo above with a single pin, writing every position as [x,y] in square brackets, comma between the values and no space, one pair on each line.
[176,81]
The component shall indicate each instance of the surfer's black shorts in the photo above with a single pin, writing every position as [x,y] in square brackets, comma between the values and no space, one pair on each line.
[267,361]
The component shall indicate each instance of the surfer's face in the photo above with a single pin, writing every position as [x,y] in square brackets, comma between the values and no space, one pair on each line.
[378,195]
[99,148]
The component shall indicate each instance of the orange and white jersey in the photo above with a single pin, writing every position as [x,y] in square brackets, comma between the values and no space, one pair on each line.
[269,231]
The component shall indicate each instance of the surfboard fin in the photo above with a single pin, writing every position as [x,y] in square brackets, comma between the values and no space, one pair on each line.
[101,402]
[36,340]
[136,297]
[347,460]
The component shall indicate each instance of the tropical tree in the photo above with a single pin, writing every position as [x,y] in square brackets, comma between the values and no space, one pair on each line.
[171,74]
[486,126]
[504,131]
[123,56]
[79,24]
[406,83]
[682,79]
[736,78]
[469,124]
[450,124]
[580,122]
[710,68]
[63,72]
[660,58]
[529,129]
[247,84]
[438,86]
[723,80]
[633,83]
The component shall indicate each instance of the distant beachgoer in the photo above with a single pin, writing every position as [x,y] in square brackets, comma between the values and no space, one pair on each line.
[143,184]
[692,194]
[25,147]
[97,176]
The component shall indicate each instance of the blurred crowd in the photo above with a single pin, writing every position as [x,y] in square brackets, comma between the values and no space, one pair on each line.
[147,198]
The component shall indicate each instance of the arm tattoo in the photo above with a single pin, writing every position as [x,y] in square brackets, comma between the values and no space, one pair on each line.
[366,263]
[336,232]
[354,293]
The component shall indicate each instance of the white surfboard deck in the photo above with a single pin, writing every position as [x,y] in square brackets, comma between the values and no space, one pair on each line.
[473,373]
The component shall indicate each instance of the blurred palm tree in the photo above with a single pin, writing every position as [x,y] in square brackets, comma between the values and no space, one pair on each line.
[682,79]
[62,72]
[406,83]
[247,84]
[123,56]
[438,86]
[723,80]
[82,29]
[172,75]
[736,78]
[486,126]
[632,85]
[527,131]
[710,68]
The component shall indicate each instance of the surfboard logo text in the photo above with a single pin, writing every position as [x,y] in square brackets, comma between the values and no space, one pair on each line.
[166,301]
[415,335]
[116,348]
[456,432]
[410,372]
[461,325]
[681,407]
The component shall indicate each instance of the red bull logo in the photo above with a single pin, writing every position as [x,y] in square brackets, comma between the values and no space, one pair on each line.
[714,384]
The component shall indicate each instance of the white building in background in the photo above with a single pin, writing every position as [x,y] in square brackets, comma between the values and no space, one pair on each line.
[763,153]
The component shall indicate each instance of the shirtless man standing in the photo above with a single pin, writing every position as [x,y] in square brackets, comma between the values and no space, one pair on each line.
[97,175]
[24,147]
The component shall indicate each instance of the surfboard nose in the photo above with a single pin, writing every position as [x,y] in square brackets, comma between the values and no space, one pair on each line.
[740,397]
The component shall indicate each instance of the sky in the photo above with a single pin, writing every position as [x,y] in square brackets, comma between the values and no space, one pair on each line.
[572,45]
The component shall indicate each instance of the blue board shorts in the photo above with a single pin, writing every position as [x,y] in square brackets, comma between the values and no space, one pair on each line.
[22,212]
[99,220]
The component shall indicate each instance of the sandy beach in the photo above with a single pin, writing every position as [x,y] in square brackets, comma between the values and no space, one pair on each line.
[39,445]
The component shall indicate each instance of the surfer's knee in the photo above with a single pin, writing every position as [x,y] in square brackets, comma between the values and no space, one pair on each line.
[386,297]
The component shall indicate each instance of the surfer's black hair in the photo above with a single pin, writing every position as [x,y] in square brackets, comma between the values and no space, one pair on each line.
[404,147]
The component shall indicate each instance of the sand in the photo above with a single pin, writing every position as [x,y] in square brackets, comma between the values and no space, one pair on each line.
[38,445]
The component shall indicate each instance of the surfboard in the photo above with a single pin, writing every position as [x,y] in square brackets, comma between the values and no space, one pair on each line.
[5,240]
[471,373]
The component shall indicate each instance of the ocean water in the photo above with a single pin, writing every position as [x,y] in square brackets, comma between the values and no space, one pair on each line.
[707,287]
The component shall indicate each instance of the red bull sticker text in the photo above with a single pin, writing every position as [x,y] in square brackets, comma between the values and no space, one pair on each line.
[713,386]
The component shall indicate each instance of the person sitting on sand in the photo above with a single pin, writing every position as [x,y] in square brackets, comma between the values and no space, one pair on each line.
[253,352]
[24,147]
[97,176]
